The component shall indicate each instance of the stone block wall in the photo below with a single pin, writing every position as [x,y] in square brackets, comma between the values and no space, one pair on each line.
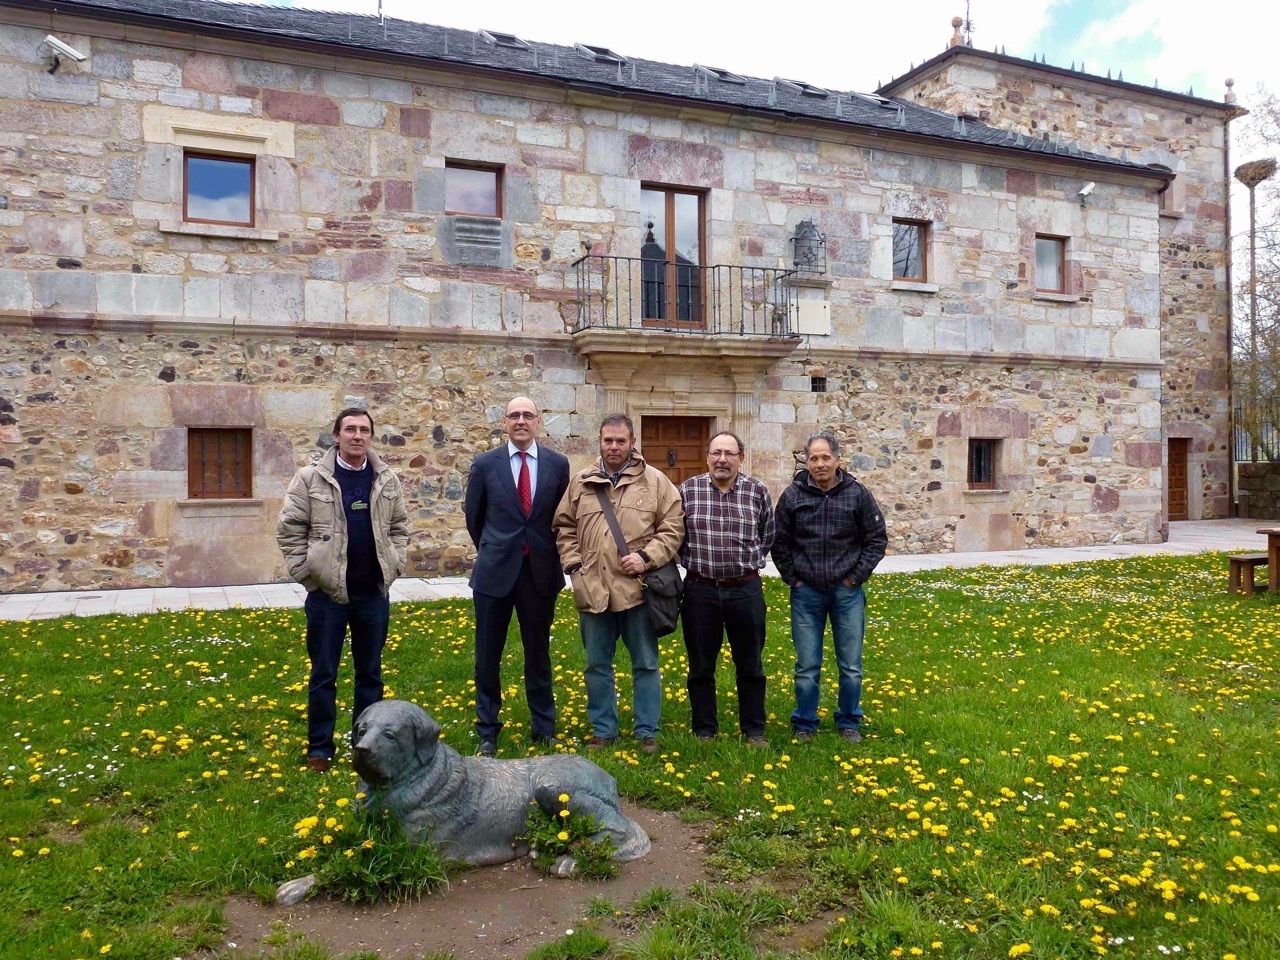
[1258,487]
[96,445]
[1186,136]
[351,229]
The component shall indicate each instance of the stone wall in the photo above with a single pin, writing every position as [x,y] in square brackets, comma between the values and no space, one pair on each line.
[1258,487]
[1181,134]
[124,325]
[99,463]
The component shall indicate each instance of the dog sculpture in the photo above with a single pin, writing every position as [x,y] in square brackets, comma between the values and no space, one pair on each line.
[473,808]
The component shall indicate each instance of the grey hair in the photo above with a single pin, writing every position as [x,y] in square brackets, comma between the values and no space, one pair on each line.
[826,435]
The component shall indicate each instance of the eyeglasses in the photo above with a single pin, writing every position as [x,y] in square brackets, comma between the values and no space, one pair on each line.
[522,415]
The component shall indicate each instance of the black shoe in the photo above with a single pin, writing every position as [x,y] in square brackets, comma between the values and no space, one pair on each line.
[548,740]
[758,741]
[487,748]
[705,736]
[852,734]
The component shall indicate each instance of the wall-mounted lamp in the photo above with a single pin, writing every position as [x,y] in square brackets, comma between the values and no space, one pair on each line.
[809,248]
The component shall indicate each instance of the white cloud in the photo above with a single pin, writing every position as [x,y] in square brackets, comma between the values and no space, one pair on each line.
[1191,45]
[233,208]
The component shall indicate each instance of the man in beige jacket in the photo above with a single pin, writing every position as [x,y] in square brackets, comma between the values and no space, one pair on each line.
[344,534]
[608,587]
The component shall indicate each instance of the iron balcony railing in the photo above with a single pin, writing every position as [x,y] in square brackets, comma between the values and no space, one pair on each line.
[1257,432]
[635,293]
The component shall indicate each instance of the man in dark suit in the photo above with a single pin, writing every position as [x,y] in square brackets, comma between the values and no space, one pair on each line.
[512,494]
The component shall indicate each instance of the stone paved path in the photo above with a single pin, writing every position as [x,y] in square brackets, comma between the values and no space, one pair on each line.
[1194,536]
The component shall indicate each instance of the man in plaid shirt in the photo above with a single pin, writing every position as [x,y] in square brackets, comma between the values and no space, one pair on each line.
[831,535]
[728,532]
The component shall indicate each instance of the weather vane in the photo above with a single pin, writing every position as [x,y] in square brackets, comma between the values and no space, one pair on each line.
[968,26]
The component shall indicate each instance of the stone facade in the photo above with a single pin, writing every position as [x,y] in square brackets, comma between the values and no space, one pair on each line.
[126,325]
[1181,133]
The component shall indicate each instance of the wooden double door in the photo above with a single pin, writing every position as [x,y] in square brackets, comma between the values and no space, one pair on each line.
[675,445]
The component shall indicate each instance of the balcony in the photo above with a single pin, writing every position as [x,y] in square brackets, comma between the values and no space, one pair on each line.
[704,335]
[634,293]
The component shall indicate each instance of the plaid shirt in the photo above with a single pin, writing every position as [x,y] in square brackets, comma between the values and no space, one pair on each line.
[727,535]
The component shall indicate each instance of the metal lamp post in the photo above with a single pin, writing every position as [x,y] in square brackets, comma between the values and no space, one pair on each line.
[1251,174]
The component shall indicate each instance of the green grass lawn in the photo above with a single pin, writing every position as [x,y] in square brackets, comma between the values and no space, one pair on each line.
[1060,762]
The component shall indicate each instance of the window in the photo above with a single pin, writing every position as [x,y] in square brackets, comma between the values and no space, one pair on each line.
[719,73]
[1050,264]
[600,54]
[671,255]
[982,464]
[817,384]
[909,250]
[472,189]
[500,39]
[217,189]
[219,463]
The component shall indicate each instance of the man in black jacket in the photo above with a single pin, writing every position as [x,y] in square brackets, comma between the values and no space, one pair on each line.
[511,497]
[830,537]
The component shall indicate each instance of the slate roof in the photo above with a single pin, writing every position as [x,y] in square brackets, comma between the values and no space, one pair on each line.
[932,66]
[577,68]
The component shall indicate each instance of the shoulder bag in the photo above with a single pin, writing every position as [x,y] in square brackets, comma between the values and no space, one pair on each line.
[662,587]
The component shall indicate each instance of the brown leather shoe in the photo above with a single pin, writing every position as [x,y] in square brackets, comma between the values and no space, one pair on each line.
[319,764]
[649,744]
[599,743]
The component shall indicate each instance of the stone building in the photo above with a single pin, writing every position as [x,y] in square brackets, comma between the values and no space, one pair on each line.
[1003,285]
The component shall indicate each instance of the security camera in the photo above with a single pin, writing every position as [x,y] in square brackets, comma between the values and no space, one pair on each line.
[1087,189]
[65,49]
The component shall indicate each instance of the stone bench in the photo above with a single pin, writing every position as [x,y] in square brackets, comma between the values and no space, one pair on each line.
[1242,569]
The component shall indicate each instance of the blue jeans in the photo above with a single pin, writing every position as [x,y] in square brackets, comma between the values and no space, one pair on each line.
[327,622]
[810,608]
[600,632]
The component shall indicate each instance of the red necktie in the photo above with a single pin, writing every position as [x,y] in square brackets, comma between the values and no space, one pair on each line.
[524,487]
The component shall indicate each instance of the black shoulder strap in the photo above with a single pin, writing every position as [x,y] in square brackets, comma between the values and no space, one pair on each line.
[607,509]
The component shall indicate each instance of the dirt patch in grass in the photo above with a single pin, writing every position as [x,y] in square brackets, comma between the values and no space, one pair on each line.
[801,937]
[492,912]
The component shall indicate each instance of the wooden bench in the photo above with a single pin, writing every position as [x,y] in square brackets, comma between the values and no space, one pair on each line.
[1242,569]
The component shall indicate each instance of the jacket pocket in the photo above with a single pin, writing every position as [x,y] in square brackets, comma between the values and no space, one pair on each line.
[322,510]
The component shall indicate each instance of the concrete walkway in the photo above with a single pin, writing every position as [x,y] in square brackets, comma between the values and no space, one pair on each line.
[1194,536]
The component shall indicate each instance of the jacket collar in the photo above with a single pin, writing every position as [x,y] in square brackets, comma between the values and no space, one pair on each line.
[595,473]
[804,481]
[329,462]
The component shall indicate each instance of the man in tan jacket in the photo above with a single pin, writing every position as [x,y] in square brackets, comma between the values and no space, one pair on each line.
[344,534]
[608,587]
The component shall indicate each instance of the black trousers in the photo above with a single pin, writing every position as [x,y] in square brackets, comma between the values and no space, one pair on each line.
[327,622]
[534,611]
[708,613]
